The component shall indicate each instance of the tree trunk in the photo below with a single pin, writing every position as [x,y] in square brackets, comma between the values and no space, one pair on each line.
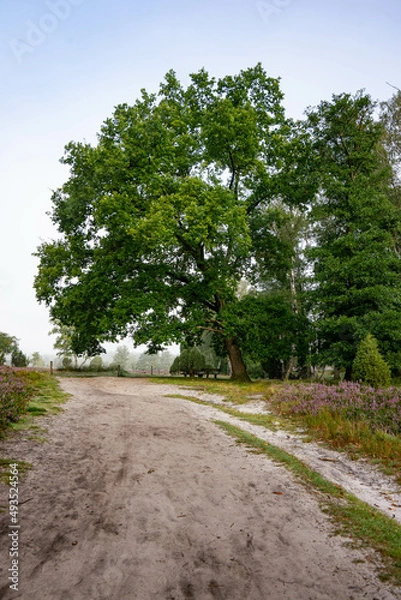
[348,373]
[238,369]
[289,367]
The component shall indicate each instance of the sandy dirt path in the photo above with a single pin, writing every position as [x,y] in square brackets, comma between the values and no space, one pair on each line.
[358,477]
[139,496]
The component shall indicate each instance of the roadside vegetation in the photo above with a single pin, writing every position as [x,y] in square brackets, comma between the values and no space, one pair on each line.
[15,393]
[24,395]
[364,421]
[360,420]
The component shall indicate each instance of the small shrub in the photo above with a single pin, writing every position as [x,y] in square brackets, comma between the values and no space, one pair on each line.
[191,361]
[369,366]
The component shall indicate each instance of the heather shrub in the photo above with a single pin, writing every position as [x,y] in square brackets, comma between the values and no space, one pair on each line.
[380,409]
[369,366]
[14,395]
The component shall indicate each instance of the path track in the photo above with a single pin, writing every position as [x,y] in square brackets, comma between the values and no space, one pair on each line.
[359,477]
[140,496]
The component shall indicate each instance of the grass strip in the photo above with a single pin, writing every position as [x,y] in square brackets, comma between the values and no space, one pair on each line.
[237,393]
[353,517]
[271,422]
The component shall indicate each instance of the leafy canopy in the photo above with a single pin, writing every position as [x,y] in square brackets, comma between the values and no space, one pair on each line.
[155,220]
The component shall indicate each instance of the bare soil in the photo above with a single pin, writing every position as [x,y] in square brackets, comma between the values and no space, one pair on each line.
[140,496]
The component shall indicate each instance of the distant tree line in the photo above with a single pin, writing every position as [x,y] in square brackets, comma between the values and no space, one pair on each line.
[9,348]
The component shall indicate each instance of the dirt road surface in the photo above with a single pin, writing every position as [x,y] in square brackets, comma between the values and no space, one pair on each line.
[140,496]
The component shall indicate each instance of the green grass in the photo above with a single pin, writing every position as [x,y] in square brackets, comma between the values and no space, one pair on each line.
[83,373]
[191,399]
[237,393]
[37,438]
[271,422]
[352,517]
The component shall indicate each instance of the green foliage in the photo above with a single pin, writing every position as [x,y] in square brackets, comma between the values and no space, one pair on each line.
[280,234]
[191,361]
[40,394]
[175,367]
[121,357]
[67,362]
[356,227]
[254,369]
[8,344]
[155,220]
[65,346]
[161,361]
[269,331]
[390,117]
[18,358]
[206,357]
[369,366]
[195,190]
[214,352]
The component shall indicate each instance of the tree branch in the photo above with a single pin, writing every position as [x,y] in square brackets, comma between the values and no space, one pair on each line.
[211,329]
[393,86]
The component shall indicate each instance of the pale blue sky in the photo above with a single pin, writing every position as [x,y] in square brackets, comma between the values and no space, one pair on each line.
[67,63]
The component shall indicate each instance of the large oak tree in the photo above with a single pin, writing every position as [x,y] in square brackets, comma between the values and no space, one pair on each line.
[155,219]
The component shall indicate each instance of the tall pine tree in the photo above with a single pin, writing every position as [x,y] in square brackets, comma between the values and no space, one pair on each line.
[357,269]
